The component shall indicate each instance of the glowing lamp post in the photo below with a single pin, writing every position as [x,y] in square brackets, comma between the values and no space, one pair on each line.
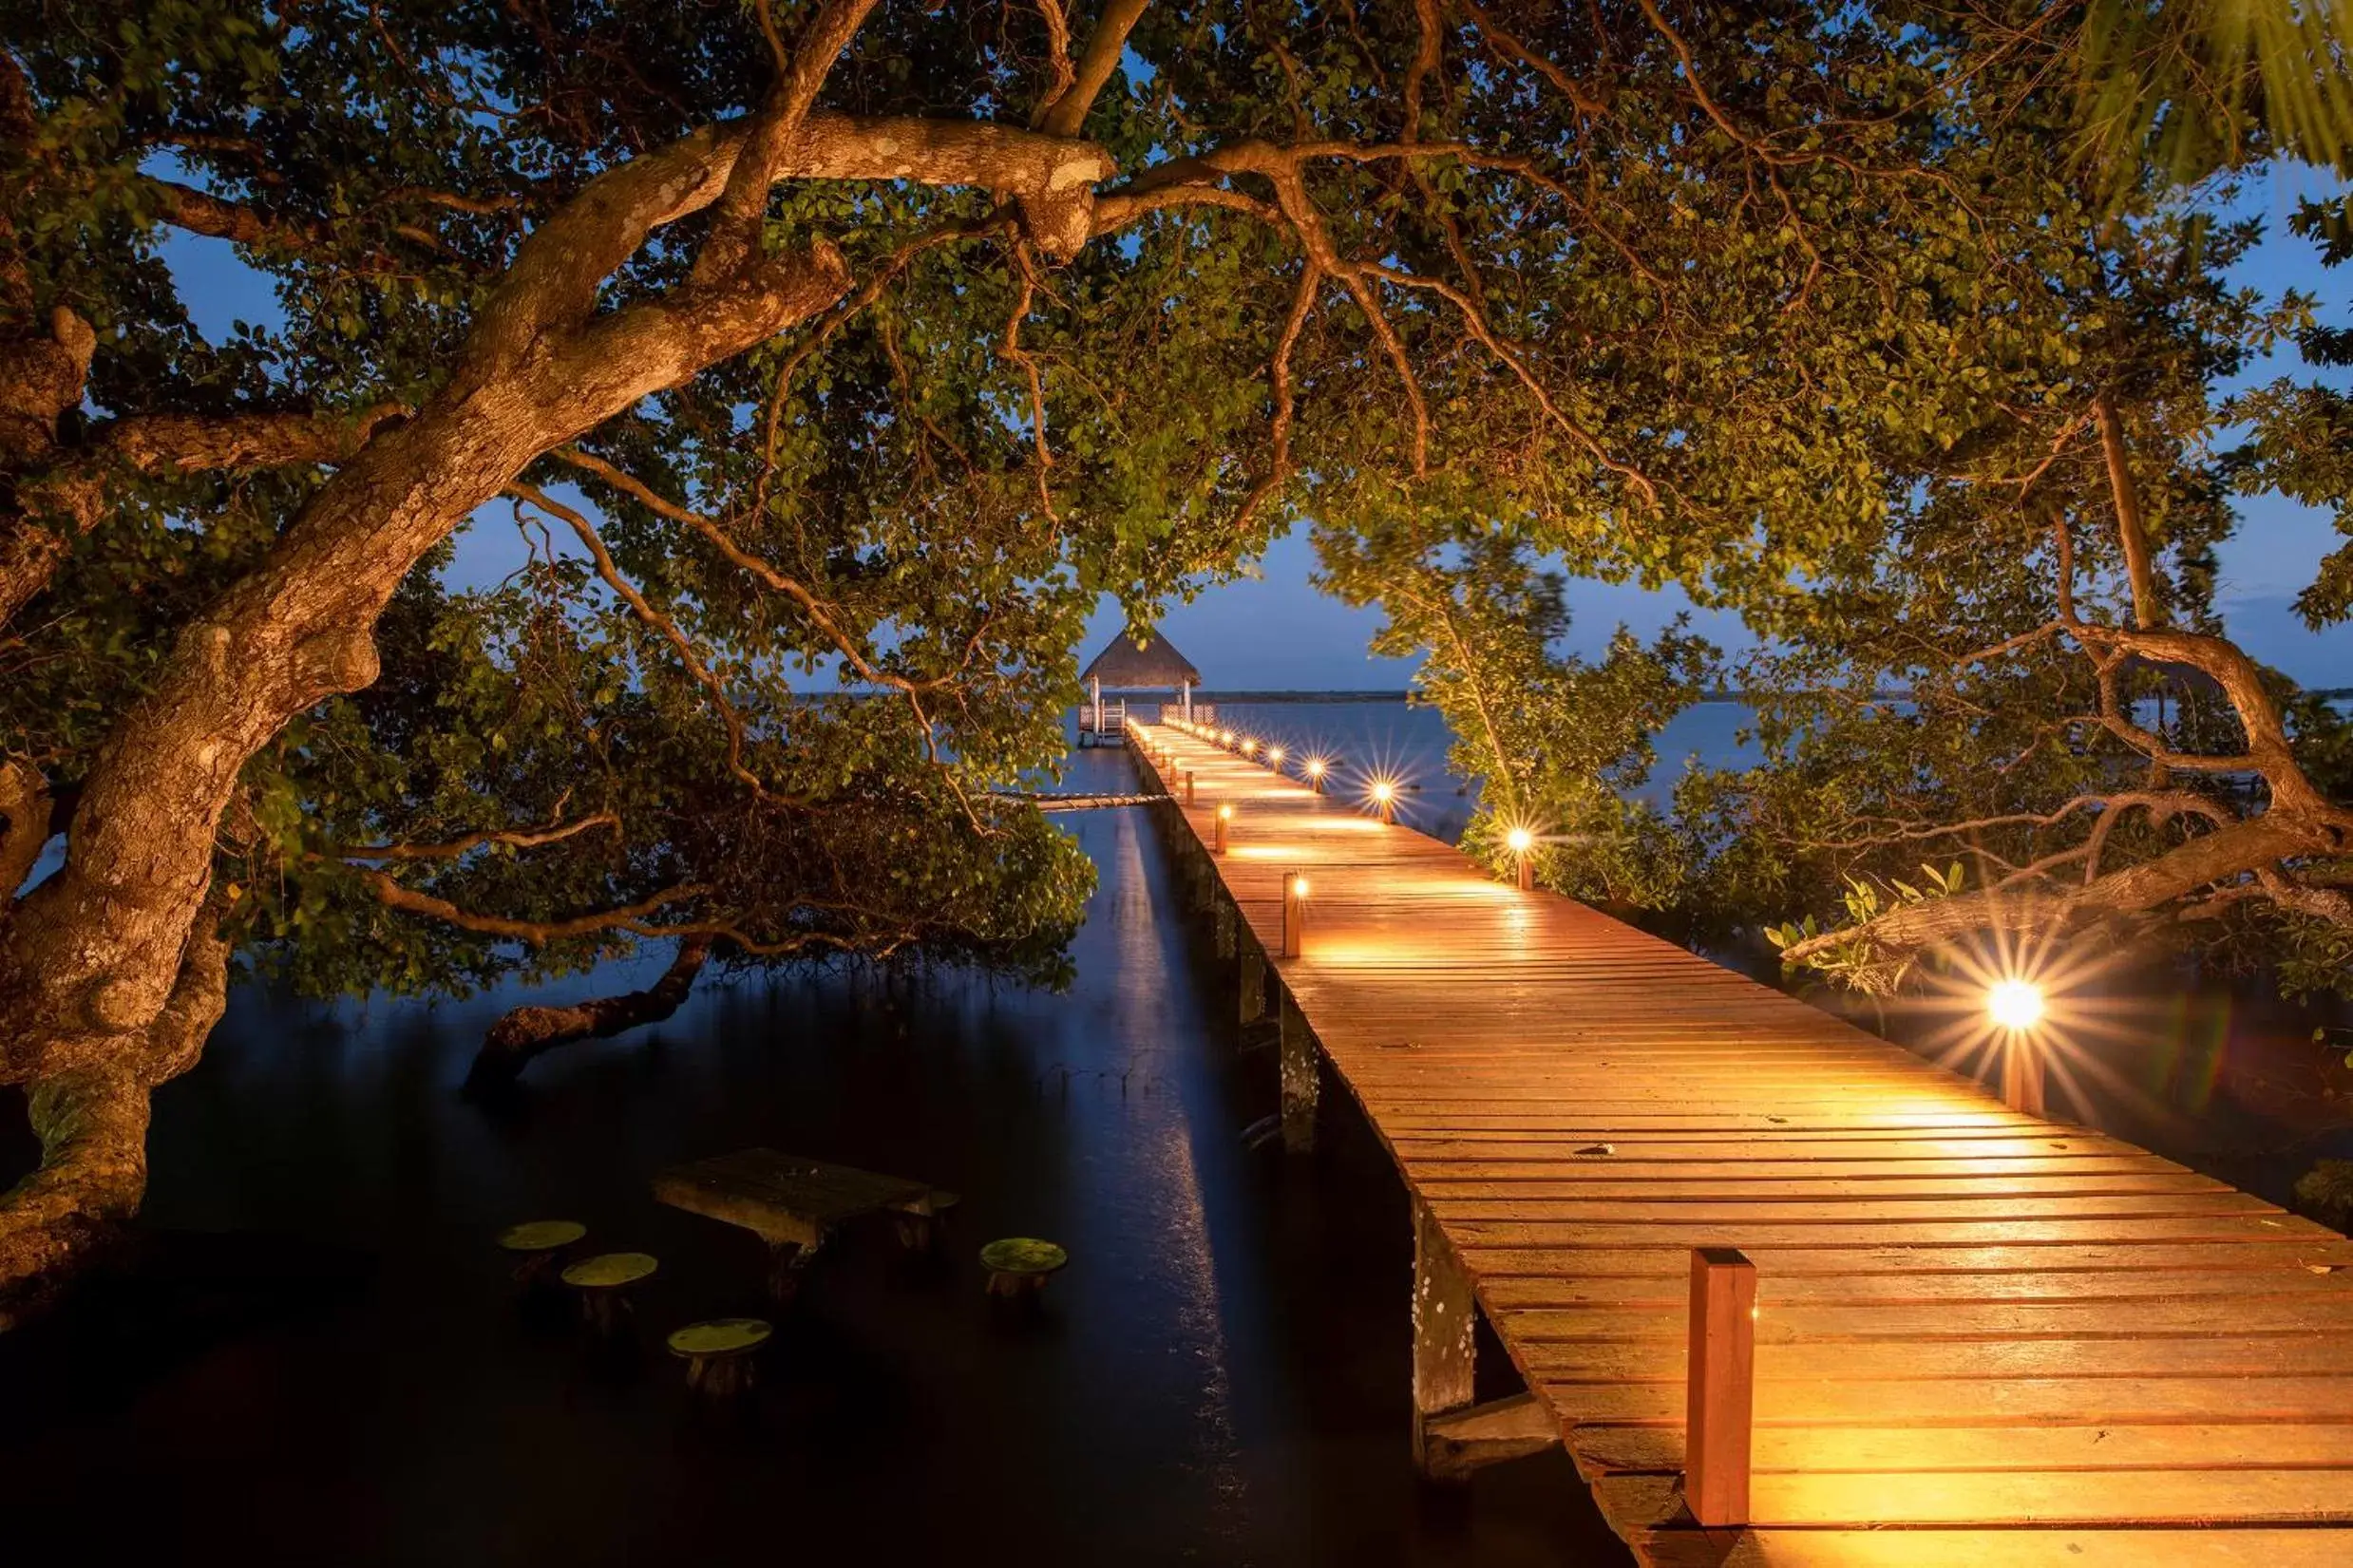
[1188,786]
[2016,1007]
[1224,818]
[1521,842]
[1250,749]
[1294,913]
[1316,768]
[1274,757]
[1227,740]
[1385,799]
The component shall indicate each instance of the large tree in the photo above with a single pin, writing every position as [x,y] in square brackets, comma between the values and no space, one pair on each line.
[842,341]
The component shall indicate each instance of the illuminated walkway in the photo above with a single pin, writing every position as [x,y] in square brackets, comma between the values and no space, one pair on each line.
[1982,1338]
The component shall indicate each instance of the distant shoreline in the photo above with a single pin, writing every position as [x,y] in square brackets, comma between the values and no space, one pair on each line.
[1275,697]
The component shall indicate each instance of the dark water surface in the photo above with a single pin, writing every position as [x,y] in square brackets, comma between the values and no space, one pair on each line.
[323,1362]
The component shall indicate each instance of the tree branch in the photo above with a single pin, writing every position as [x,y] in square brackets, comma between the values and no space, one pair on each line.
[408,901]
[1067,112]
[186,443]
[528,1032]
[742,207]
[25,817]
[2239,849]
[668,628]
[2130,533]
[530,837]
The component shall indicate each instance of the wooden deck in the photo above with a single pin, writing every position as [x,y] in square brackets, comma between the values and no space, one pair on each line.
[1982,1338]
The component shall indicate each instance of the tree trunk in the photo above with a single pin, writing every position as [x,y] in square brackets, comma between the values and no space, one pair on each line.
[527,1032]
[92,1123]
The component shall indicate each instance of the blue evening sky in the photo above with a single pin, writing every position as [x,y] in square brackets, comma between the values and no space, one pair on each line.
[1273,630]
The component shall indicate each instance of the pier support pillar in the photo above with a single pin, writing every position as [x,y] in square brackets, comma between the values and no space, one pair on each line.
[1224,924]
[1253,984]
[1444,1325]
[1298,1068]
[1451,1435]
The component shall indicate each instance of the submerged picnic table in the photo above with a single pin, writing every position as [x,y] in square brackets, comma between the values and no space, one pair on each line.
[1982,1337]
[793,1203]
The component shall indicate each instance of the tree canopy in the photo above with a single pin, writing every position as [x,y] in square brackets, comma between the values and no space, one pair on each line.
[835,357]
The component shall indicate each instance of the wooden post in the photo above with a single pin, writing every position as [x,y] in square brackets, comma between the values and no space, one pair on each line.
[1720,1387]
[1527,874]
[2021,1074]
[1253,983]
[1225,815]
[1445,1331]
[1188,786]
[1294,913]
[1297,1067]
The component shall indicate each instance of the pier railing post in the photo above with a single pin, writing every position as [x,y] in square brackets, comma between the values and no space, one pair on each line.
[1224,816]
[1720,1387]
[1294,913]
[2021,1074]
[1188,786]
[1445,1330]
[1297,1067]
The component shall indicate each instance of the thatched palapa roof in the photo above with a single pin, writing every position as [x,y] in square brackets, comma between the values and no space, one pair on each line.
[1141,661]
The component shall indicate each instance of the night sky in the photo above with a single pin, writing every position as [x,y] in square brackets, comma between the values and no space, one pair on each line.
[1275,632]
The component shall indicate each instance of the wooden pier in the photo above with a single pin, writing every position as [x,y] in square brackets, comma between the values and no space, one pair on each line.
[1980,1337]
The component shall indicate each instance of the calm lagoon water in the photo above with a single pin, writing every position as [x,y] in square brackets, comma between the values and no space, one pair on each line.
[1410,742]
[323,1363]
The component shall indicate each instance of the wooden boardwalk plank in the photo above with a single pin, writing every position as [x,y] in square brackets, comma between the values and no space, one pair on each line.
[1982,1337]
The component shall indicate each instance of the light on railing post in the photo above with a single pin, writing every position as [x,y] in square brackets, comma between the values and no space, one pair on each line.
[1274,757]
[1224,816]
[1294,913]
[1188,786]
[1523,844]
[1385,797]
[1720,1387]
[1316,769]
[2016,1007]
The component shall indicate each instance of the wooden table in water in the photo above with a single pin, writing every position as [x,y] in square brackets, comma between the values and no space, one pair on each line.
[794,1203]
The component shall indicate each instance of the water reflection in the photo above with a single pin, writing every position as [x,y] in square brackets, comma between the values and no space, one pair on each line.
[322,1362]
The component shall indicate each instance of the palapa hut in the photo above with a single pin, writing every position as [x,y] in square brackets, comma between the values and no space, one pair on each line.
[1135,661]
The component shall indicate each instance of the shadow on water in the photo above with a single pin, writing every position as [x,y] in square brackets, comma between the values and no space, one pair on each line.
[319,1357]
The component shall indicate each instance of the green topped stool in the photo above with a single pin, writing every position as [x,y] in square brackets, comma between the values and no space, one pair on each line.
[537,1245]
[604,1282]
[1019,1266]
[719,1354]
